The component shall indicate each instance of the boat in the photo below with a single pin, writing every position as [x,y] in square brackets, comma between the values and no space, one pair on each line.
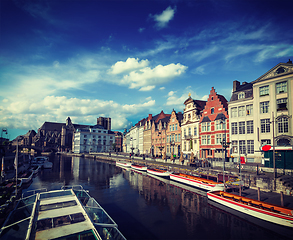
[35,169]
[42,161]
[202,183]
[139,167]
[69,213]
[259,209]
[159,172]
[123,164]
[26,176]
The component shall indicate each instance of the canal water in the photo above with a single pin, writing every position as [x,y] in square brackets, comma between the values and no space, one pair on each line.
[146,207]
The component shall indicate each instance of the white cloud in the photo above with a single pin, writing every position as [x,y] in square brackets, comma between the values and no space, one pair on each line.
[147,88]
[163,19]
[151,77]
[162,88]
[129,64]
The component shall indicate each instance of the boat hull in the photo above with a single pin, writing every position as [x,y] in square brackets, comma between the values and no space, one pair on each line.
[158,173]
[123,164]
[266,215]
[139,168]
[27,179]
[197,183]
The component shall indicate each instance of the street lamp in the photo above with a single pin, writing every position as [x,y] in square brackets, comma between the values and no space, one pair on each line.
[225,144]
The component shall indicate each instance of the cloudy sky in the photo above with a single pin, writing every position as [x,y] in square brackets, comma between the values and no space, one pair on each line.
[125,59]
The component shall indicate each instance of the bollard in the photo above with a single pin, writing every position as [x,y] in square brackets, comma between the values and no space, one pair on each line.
[282,199]
[258,194]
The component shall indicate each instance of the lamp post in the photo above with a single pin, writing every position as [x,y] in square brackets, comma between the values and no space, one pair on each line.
[225,144]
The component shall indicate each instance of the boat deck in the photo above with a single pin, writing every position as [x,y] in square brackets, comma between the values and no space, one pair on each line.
[203,180]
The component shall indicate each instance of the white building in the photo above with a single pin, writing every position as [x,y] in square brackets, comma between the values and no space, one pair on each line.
[93,139]
[190,126]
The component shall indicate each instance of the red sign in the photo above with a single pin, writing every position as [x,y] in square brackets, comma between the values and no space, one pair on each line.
[266,147]
[242,160]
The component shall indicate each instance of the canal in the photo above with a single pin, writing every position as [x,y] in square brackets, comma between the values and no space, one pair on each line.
[146,207]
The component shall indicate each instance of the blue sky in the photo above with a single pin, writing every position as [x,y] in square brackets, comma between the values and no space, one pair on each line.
[126,59]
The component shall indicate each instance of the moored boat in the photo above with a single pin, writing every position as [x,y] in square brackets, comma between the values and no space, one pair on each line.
[123,164]
[195,181]
[259,209]
[158,172]
[35,169]
[139,167]
[42,161]
[26,176]
[61,214]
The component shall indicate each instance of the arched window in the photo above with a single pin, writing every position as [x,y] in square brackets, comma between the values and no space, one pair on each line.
[283,142]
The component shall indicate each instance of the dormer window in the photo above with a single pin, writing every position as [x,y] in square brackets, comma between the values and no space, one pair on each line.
[241,95]
[212,110]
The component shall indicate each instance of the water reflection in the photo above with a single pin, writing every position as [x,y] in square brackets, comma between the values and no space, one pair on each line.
[148,207]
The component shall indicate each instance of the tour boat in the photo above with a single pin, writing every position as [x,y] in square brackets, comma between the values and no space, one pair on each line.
[259,209]
[199,182]
[158,172]
[42,161]
[60,214]
[26,176]
[139,167]
[123,164]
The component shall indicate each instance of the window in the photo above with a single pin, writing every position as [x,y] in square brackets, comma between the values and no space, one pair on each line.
[281,87]
[179,138]
[234,147]
[212,110]
[170,128]
[234,128]
[218,124]
[265,125]
[241,95]
[173,127]
[241,111]
[208,126]
[195,131]
[283,125]
[249,127]
[249,110]
[282,104]
[176,127]
[250,146]
[265,142]
[242,149]
[184,132]
[203,140]
[176,138]
[208,139]
[189,131]
[241,127]
[234,112]
[218,139]
[184,146]
[264,90]
[264,107]
[204,127]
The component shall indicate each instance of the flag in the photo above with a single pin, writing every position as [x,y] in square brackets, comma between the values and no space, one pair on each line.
[242,160]
[16,158]
[2,168]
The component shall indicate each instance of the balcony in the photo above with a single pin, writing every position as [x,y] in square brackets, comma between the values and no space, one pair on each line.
[188,137]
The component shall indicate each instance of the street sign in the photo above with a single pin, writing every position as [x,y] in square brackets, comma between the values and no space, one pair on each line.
[266,148]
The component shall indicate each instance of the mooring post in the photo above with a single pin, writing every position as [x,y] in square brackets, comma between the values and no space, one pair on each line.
[258,193]
[282,199]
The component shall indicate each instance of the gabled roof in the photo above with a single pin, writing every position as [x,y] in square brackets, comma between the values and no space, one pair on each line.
[220,116]
[206,119]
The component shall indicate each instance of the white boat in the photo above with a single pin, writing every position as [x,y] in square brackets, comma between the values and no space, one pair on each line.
[35,169]
[198,182]
[123,164]
[26,176]
[139,167]
[259,209]
[159,172]
[60,214]
[42,161]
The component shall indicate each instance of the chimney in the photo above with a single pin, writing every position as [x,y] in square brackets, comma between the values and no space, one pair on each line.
[150,116]
[236,85]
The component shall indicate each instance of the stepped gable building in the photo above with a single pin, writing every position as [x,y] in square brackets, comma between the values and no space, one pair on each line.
[159,136]
[173,132]
[214,127]
[190,126]
[148,146]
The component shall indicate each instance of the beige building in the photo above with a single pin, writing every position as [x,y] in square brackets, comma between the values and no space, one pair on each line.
[190,126]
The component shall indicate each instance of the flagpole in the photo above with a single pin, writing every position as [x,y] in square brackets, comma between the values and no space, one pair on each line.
[16,165]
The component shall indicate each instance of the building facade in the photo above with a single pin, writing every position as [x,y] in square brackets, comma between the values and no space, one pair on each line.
[173,134]
[190,126]
[93,139]
[214,128]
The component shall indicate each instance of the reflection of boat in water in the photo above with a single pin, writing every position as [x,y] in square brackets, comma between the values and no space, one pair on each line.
[41,161]
[284,231]
[62,214]
[259,209]
[123,164]
[139,167]
[158,172]
[195,181]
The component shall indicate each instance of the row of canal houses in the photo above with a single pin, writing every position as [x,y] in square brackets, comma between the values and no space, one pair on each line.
[259,113]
